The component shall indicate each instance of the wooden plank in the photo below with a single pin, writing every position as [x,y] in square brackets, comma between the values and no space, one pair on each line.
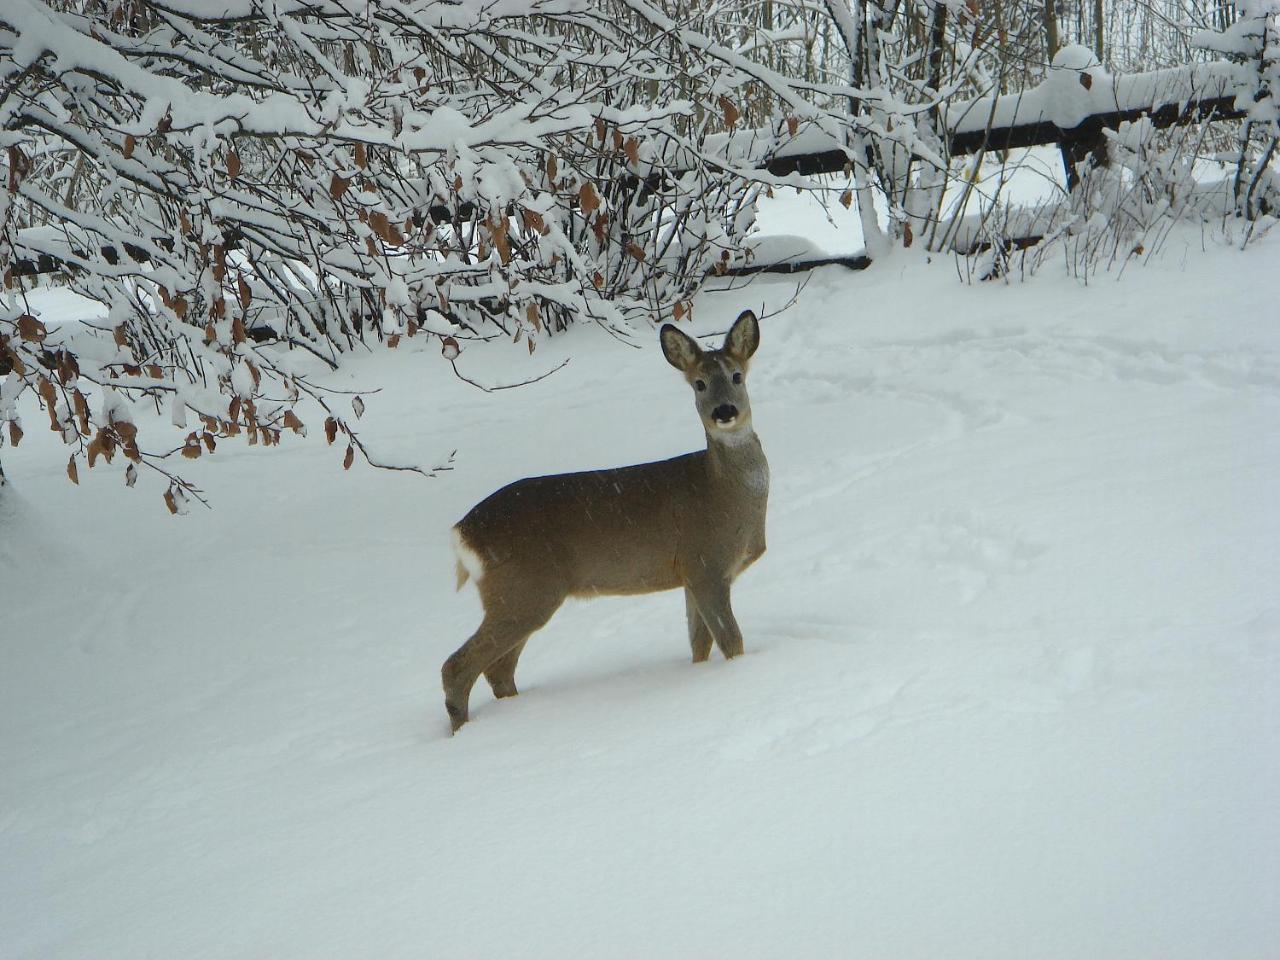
[856,262]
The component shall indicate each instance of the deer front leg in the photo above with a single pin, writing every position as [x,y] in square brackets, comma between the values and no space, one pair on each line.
[699,635]
[711,596]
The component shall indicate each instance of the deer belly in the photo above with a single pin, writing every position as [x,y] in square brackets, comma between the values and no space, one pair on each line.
[621,557]
[625,570]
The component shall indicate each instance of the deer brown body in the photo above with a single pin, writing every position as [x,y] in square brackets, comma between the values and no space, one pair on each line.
[695,521]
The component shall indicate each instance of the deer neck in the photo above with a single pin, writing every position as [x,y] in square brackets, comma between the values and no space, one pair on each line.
[738,458]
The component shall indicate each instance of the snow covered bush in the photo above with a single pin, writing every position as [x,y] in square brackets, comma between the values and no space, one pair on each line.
[1252,43]
[251,182]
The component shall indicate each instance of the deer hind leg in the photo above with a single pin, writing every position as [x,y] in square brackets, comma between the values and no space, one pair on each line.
[711,596]
[502,633]
[501,674]
[699,633]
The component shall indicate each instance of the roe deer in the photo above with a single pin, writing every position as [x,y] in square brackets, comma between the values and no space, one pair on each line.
[694,521]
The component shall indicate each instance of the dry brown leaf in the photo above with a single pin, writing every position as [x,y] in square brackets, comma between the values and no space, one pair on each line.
[534,317]
[635,251]
[362,158]
[243,291]
[793,125]
[385,229]
[46,391]
[551,168]
[31,329]
[233,164]
[330,429]
[15,433]
[498,234]
[82,410]
[533,221]
[291,421]
[338,186]
[170,501]
[68,367]
[350,458]
[72,474]
[730,111]
[846,199]
[129,144]
[588,199]
[393,341]
[632,149]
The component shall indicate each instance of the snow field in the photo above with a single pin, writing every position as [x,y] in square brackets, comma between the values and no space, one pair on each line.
[1010,687]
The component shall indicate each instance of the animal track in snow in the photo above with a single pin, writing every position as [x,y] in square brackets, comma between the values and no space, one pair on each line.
[961,548]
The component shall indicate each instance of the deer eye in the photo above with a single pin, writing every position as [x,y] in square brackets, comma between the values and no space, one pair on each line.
[699,385]
[737,376]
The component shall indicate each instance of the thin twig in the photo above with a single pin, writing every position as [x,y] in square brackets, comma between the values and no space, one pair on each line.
[504,386]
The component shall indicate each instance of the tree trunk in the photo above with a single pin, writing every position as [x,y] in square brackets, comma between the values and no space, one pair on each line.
[1099,34]
[1050,30]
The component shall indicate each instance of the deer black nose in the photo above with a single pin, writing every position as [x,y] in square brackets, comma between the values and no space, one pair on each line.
[724,413]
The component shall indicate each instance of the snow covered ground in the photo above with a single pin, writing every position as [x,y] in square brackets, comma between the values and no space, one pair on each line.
[1011,685]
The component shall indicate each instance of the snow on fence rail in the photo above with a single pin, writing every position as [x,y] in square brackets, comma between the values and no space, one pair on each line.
[1071,107]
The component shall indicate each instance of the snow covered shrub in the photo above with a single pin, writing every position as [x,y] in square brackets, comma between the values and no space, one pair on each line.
[1252,43]
[246,183]
[1122,207]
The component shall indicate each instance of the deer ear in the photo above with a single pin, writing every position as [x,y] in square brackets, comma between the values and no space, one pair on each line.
[680,349]
[743,337]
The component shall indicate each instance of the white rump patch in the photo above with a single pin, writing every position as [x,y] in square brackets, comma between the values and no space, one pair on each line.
[469,559]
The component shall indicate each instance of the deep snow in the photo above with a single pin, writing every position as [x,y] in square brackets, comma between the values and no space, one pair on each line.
[1011,685]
